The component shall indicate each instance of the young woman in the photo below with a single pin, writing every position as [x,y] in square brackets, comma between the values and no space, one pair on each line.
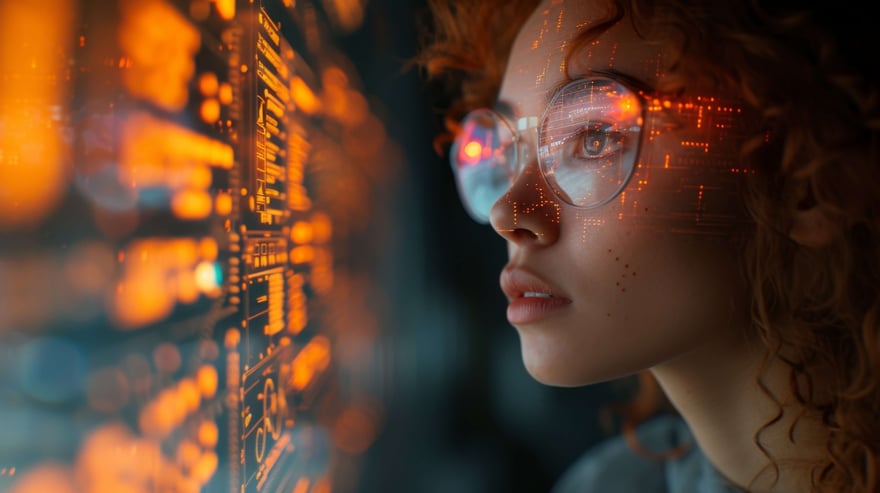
[691,189]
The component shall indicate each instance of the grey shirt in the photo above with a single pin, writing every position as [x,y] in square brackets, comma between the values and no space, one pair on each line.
[613,467]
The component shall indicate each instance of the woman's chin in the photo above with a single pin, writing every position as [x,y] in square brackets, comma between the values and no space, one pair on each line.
[556,373]
[575,370]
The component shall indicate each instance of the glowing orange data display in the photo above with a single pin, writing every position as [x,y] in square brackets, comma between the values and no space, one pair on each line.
[173,263]
[159,153]
[158,274]
[34,141]
[160,43]
[310,362]
[304,98]
[226,8]
[311,249]
[346,14]
[298,148]
[278,238]
[268,164]
[342,103]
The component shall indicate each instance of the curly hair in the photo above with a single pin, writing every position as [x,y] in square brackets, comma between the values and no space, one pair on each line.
[816,308]
[466,49]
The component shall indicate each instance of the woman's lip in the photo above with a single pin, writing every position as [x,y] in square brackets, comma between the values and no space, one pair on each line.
[516,281]
[522,309]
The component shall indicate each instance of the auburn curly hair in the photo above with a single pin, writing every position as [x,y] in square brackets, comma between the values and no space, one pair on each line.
[816,308]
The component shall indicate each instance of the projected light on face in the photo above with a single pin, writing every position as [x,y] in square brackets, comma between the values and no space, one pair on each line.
[617,191]
[596,134]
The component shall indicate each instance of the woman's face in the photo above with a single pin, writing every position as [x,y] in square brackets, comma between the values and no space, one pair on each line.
[597,294]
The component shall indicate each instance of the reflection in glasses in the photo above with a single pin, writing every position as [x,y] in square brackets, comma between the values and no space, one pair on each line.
[597,141]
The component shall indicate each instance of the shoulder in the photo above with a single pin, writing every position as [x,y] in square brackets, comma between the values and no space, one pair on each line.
[614,466]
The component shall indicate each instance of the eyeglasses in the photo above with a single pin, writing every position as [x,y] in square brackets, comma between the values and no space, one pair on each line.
[588,141]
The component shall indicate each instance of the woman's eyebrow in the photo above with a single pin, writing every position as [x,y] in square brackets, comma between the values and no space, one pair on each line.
[610,73]
[505,108]
[630,80]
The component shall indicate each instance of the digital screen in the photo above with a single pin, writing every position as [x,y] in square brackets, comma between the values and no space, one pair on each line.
[186,276]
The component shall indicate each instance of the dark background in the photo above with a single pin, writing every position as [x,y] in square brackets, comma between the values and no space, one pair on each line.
[462,414]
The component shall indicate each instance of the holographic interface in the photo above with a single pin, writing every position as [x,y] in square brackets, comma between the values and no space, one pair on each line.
[604,136]
[587,142]
[183,307]
[595,137]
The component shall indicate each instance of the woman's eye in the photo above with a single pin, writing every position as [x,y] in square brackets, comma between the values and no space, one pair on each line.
[597,140]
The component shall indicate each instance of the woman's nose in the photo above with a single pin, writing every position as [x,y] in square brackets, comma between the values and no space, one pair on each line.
[529,213]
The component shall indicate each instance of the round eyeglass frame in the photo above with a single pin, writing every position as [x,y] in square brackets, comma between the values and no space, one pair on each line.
[526,123]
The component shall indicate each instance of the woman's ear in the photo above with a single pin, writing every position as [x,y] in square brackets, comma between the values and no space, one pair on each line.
[812,227]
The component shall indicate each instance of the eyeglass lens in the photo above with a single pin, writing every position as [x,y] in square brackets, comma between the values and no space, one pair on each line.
[588,142]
